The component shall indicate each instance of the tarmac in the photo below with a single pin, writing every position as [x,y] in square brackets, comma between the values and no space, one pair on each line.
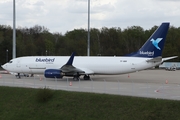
[158,84]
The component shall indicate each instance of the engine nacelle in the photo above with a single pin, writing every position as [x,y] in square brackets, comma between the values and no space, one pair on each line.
[53,73]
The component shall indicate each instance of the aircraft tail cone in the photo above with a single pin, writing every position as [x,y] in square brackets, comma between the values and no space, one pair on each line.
[70,83]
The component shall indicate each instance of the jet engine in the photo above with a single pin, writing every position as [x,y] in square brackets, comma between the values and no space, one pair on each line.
[53,73]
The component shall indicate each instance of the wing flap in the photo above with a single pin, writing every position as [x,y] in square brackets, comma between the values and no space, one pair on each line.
[87,71]
[71,69]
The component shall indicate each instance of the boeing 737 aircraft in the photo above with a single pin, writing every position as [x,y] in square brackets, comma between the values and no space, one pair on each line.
[148,56]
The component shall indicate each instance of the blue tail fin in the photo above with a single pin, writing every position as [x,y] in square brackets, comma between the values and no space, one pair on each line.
[155,44]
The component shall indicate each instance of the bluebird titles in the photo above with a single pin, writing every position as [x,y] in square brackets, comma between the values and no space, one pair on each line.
[44,60]
[147,53]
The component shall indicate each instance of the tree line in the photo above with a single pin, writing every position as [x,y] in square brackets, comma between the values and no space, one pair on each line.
[38,41]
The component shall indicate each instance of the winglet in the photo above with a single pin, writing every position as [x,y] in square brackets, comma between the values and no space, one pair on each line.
[70,61]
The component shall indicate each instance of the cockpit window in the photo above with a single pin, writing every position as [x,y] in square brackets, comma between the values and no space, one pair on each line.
[10,61]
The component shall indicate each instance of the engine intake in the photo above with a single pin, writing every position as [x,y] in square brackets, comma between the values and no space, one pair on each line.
[53,73]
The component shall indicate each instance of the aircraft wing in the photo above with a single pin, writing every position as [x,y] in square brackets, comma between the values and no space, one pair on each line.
[69,69]
[72,69]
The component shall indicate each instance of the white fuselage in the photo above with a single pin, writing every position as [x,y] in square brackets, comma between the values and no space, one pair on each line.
[91,65]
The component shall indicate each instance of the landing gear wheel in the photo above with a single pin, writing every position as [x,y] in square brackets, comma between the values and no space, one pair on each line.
[32,75]
[76,78]
[86,77]
[18,76]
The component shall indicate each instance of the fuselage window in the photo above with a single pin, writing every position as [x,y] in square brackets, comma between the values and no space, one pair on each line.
[10,61]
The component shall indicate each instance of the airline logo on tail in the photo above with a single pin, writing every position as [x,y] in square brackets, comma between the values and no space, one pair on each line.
[156,42]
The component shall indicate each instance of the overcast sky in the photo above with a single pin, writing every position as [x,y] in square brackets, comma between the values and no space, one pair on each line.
[65,15]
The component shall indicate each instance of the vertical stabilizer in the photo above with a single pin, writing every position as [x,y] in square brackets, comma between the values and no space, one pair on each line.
[155,44]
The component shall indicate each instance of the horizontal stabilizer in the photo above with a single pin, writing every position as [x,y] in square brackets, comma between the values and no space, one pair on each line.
[168,58]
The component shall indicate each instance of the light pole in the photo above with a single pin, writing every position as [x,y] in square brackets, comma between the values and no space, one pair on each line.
[88,42]
[14,30]
[7,55]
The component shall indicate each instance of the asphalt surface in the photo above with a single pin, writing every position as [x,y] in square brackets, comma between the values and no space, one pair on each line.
[159,84]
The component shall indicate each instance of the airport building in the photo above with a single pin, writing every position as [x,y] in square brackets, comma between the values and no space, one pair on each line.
[170,65]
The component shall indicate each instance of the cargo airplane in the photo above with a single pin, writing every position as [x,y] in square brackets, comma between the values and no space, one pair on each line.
[148,56]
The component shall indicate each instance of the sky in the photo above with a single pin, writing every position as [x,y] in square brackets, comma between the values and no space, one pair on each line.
[66,15]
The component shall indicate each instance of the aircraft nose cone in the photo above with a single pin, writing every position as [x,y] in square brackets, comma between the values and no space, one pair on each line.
[3,66]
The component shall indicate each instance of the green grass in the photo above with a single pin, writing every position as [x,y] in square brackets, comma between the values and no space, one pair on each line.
[25,104]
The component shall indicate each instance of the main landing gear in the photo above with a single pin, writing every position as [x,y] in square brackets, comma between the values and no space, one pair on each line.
[32,75]
[77,77]
[86,77]
[23,75]
[18,76]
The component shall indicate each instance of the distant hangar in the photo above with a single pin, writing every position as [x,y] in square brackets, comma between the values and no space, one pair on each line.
[170,65]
